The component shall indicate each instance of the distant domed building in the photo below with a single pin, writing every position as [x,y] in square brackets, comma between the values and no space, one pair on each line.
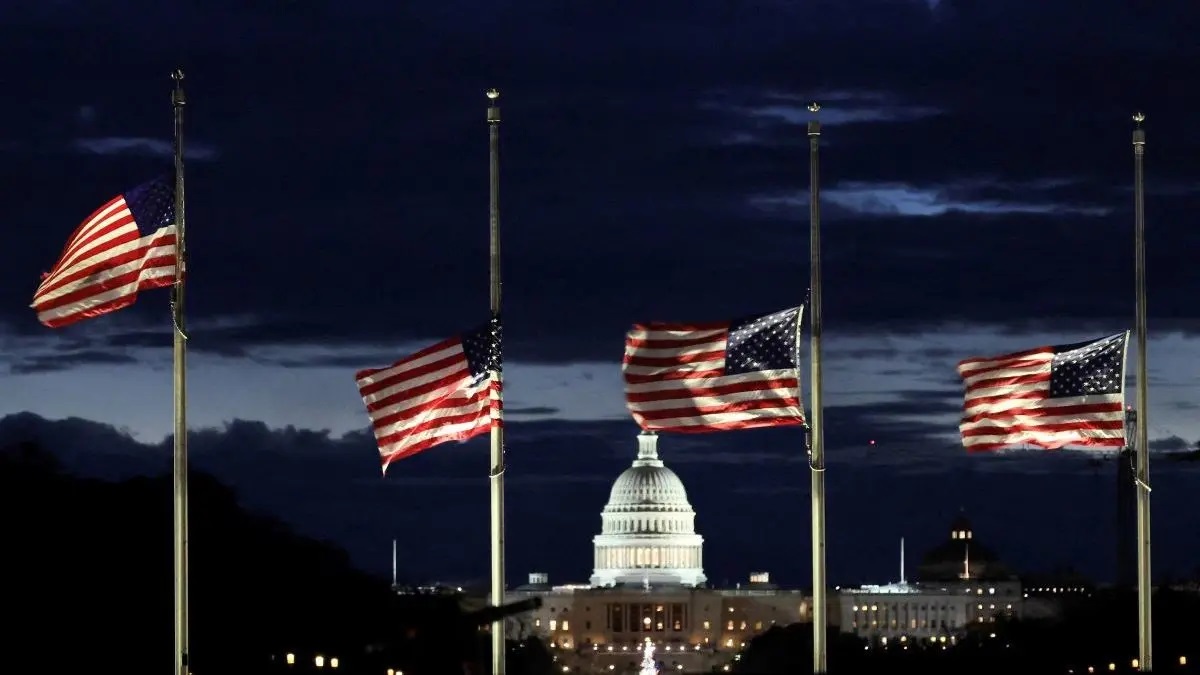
[648,583]
[961,584]
[962,557]
[648,532]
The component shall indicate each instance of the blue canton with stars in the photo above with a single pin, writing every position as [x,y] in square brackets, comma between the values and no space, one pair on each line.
[152,205]
[1085,368]
[766,342]
[482,348]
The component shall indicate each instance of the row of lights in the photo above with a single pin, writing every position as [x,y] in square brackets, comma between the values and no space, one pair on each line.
[931,638]
[625,648]
[319,661]
[1133,663]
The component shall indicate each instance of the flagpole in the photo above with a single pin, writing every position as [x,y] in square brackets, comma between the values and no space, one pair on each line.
[817,437]
[497,454]
[180,386]
[1142,473]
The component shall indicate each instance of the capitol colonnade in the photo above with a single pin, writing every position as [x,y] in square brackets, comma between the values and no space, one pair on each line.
[630,555]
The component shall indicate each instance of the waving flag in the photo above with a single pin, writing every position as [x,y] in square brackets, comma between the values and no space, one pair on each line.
[439,394]
[698,377]
[126,246]
[1049,397]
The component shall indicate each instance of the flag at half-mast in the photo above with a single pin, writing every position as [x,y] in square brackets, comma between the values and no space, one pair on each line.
[1049,397]
[699,377]
[439,394]
[126,246]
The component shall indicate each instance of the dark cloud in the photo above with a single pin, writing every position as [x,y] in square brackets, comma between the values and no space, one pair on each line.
[559,475]
[28,364]
[1170,443]
[348,199]
[144,147]
[531,410]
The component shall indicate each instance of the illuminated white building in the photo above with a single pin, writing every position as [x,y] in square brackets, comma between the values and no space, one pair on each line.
[649,582]
[961,584]
[648,531]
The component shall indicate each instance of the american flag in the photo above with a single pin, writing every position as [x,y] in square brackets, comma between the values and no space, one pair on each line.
[439,394]
[697,377]
[1049,397]
[126,246]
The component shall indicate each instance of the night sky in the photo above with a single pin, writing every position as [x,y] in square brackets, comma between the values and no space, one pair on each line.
[977,198]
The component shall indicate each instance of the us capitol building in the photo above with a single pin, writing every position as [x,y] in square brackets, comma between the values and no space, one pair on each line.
[649,582]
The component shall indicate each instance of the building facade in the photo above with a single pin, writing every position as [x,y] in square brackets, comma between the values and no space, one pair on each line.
[648,528]
[961,584]
[648,582]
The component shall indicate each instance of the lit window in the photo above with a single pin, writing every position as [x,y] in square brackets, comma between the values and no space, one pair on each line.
[743,626]
[729,642]
[729,626]
[565,625]
[553,624]
[537,623]
[757,625]
[707,626]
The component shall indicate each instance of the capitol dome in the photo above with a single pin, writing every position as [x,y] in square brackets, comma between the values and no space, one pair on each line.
[648,532]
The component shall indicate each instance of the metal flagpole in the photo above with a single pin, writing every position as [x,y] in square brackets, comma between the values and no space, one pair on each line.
[1142,474]
[817,449]
[180,385]
[497,454]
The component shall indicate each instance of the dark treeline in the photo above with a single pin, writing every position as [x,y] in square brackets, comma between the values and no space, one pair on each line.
[1091,632]
[89,585]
